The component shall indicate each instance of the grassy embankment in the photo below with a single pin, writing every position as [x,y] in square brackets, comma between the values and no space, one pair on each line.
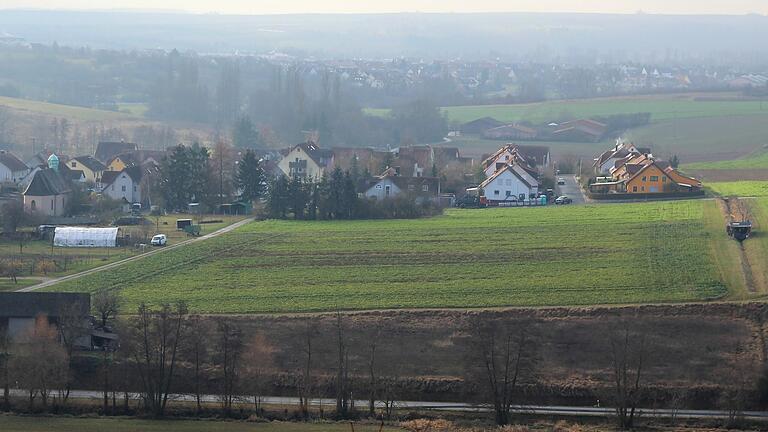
[580,255]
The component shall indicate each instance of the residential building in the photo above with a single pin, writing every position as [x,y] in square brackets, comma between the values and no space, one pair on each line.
[510,183]
[90,166]
[12,169]
[640,173]
[122,185]
[135,158]
[106,151]
[390,185]
[512,154]
[477,127]
[49,190]
[306,160]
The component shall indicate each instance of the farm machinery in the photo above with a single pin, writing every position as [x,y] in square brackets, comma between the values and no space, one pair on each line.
[739,223]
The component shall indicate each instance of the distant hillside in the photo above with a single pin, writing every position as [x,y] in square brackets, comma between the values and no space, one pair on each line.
[535,37]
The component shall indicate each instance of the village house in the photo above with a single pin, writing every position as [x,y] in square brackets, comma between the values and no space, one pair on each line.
[415,161]
[510,183]
[306,160]
[12,169]
[135,158]
[122,185]
[107,150]
[512,154]
[48,191]
[607,160]
[389,185]
[641,173]
[91,168]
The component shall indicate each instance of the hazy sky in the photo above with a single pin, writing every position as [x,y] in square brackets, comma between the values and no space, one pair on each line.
[333,6]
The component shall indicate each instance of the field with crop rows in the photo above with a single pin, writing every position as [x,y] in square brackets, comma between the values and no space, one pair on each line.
[757,160]
[580,255]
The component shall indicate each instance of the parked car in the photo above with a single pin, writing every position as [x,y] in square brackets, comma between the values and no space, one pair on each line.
[560,181]
[563,200]
[159,240]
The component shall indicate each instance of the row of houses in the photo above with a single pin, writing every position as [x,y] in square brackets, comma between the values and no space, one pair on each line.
[628,169]
[47,180]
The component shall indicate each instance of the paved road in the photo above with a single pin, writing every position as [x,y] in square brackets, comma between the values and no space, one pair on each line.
[54,281]
[450,406]
[571,189]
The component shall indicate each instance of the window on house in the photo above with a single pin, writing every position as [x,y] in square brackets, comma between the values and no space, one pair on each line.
[123,188]
[509,193]
[663,179]
[74,164]
[134,188]
[495,192]
[644,178]
[425,188]
[33,205]
[642,188]
[113,187]
[378,186]
[54,199]
[634,188]
[654,178]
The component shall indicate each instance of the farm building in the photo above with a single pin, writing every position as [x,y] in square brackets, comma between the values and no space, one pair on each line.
[85,237]
[19,311]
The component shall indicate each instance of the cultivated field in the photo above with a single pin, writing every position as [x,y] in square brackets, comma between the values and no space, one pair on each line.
[600,254]
[662,107]
[71,113]
[10,423]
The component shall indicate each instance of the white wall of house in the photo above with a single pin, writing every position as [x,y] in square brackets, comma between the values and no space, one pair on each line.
[49,205]
[123,188]
[6,175]
[296,155]
[506,185]
[385,188]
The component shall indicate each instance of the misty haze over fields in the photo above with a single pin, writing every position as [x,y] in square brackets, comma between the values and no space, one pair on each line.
[578,38]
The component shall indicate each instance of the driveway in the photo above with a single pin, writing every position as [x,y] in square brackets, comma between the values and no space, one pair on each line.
[571,189]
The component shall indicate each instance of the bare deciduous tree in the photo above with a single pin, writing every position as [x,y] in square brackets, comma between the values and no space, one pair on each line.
[342,371]
[196,352]
[5,354]
[502,356]
[38,361]
[309,334]
[107,306]
[628,353]
[257,360]
[154,339]
[230,350]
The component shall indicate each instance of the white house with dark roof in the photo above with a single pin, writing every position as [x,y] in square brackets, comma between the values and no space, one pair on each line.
[306,160]
[123,186]
[508,184]
[12,169]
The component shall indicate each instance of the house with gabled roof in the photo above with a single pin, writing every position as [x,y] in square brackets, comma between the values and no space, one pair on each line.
[107,150]
[90,166]
[509,184]
[389,185]
[124,185]
[12,169]
[306,160]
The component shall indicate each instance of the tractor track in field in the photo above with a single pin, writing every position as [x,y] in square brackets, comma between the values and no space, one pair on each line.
[746,266]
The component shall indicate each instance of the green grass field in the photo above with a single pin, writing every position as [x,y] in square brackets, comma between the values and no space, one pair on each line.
[662,107]
[740,188]
[758,160]
[580,255]
[65,111]
[10,423]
